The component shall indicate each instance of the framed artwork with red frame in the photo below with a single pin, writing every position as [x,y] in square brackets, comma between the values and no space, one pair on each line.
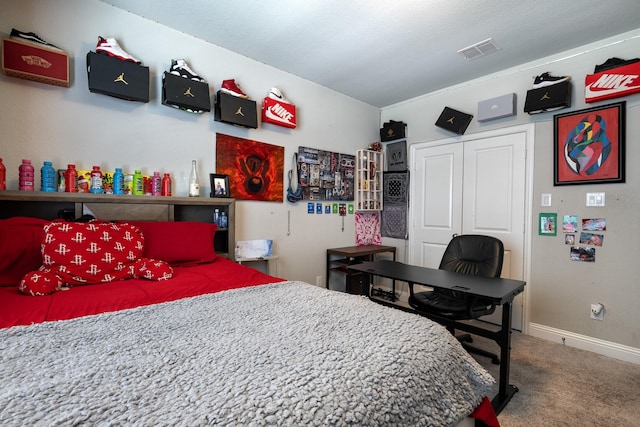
[589,146]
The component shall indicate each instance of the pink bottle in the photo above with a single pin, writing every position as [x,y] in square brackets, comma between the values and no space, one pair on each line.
[25,182]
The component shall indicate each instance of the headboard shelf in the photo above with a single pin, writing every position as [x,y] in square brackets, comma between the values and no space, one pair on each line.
[123,207]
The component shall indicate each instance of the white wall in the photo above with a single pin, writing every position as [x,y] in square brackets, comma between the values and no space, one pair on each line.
[44,122]
[561,291]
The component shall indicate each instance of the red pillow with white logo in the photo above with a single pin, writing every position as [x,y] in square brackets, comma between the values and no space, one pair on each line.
[75,253]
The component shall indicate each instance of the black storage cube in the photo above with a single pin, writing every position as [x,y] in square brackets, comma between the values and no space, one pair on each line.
[115,77]
[185,93]
[553,97]
[454,120]
[235,110]
[357,284]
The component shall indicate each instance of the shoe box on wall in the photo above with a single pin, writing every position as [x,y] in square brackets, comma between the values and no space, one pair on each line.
[235,110]
[115,77]
[612,83]
[39,63]
[185,93]
[548,98]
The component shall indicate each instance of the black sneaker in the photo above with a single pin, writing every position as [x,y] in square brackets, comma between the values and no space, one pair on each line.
[614,63]
[181,68]
[32,37]
[545,79]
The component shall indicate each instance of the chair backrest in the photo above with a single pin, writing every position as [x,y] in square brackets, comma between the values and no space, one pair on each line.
[474,254]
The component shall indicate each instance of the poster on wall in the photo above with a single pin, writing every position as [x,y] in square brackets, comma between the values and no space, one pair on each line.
[325,175]
[255,169]
[589,146]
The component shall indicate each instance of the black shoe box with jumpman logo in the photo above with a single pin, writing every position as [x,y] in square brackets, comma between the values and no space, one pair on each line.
[548,98]
[235,110]
[115,77]
[185,93]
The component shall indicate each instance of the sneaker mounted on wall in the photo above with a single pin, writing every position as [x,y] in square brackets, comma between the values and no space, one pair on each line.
[232,88]
[275,93]
[179,67]
[111,47]
[31,37]
[545,79]
[614,62]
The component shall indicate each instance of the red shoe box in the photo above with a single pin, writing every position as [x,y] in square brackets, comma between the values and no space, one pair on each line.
[613,83]
[278,113]
[35,62]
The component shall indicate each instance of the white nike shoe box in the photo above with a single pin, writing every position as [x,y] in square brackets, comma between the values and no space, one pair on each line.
[497,108]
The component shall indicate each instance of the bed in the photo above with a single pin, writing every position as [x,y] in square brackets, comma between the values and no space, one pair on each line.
[216,343]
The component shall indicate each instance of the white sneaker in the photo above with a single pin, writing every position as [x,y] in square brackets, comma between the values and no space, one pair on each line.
[112,48]
[180,68]
[275,93]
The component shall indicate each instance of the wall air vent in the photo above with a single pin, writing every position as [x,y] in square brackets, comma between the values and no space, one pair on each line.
[479,50]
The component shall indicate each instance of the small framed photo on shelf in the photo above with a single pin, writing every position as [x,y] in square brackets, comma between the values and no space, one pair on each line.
[589,146]
[219,185]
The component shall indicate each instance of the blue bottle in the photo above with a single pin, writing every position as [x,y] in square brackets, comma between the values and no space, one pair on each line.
[48,178]
[118,181]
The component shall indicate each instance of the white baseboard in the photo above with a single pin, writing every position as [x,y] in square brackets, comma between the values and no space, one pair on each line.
[583,342]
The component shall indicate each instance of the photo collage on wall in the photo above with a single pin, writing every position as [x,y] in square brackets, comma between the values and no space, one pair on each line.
[589,238]
[325,175]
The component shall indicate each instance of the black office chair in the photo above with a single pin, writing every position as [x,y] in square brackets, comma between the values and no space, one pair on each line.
[467,254]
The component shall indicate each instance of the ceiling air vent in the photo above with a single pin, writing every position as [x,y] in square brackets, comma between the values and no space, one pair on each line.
[479,50]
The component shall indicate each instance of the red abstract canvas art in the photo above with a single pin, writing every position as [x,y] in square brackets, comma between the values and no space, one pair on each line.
[255,169]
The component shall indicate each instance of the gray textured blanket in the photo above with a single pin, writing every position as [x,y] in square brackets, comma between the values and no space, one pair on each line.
[281,354]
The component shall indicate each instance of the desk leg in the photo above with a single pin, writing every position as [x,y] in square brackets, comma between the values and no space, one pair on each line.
[506,390]
[327,272]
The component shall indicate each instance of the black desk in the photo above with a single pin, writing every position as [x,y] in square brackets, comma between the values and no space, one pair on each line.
[502,291]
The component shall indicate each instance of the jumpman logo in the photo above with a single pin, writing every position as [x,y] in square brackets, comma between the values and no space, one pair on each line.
[121,79]
[188,92]
[545,96]
[451,120]
[239,112]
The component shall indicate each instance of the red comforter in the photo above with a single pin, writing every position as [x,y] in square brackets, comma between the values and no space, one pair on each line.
[219,275]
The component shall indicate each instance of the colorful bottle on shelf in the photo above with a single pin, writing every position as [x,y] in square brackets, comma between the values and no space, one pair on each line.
[138,183]
[48,177]
[3,176]
[156,184]
[118,181]
[166,185]
[71,179]
[26,178]
[95,181]
[194,184]
[223,220]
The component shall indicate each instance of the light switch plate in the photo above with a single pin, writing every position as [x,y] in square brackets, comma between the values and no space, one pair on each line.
[595,199]
[545,200]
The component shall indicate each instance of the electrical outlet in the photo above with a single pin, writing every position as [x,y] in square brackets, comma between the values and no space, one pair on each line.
[597,311]
[318,280]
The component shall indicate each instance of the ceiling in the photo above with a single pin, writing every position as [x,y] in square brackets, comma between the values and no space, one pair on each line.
[386,51]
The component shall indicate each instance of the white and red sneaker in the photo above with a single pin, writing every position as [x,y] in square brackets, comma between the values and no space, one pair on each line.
[112,48]
[232,88]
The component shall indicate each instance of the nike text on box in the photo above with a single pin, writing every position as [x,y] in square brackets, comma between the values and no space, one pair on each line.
[235,110]
[548,98]
[613,83]
[35,62]
[185,93]
[278,113]
[454,120]
[497,108]
[115,77]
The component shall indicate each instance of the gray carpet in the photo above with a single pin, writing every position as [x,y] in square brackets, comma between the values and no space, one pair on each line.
[564,386]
